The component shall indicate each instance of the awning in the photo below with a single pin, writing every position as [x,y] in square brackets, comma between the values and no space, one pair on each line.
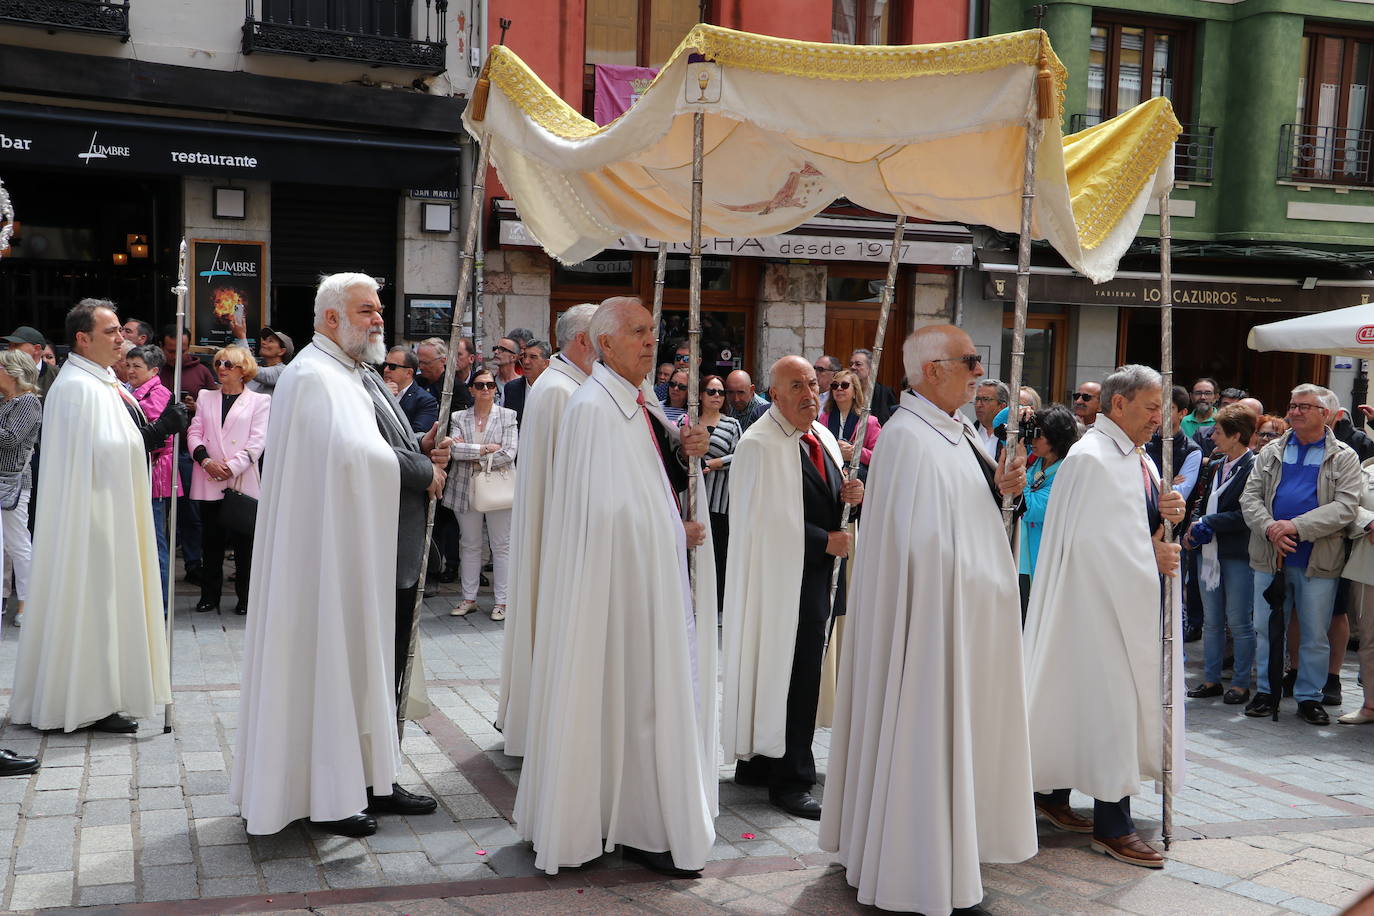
[931,132]
[49,136]
[1344,332]
[821,238]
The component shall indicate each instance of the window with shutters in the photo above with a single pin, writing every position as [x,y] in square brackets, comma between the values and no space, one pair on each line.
[637,33]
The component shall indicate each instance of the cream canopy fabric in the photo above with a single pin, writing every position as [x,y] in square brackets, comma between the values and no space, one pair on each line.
[933,132]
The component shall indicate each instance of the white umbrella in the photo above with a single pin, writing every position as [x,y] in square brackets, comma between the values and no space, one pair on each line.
[1342,332]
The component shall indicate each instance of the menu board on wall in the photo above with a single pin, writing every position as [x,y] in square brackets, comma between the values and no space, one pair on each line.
[227,291]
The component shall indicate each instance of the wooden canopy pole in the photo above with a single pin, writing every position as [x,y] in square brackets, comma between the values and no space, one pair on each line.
[180,290]
[693,330]
[1166,367]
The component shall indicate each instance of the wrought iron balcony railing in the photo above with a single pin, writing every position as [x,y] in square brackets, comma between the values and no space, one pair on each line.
[1194,153]
[1339,155]
[103,17]
[384,33]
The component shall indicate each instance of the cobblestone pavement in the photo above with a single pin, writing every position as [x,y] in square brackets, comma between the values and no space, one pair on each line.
[1277,817]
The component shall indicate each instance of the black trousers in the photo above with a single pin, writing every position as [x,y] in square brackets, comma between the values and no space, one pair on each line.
[214,538]
[405,610]
[720,540]
[1110,819]
[446,536]
[795,771]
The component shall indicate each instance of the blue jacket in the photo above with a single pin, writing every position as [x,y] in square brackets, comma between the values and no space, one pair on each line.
[1036,501]
[419,407]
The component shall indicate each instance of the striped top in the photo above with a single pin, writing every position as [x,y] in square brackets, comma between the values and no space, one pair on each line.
[724,437]
[21,418]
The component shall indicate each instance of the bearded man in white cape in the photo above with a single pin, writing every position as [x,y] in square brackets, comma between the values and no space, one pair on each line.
[335,568]
[1092,641]
[93,650]
[622,736]
[929,758]
[787,491]
[539,426]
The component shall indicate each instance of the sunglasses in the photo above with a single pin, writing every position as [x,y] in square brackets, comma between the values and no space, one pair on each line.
[503,350]
[483,386]
[1080,396]
[715,392]
[680,357]
[398,366]
[225,364]
[839,386]
[677,386]
[971,360]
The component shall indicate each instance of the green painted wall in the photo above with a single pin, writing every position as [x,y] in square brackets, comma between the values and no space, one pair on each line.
[1245,83]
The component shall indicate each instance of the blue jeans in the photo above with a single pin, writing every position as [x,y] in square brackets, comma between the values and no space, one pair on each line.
[188,513]
[1230,604]
[160,526]
[1312,599]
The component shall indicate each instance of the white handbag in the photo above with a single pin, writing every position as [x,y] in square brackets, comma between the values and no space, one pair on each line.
[491,490]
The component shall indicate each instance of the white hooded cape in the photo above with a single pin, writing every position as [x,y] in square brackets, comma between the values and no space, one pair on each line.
[929,758]
[1092,632]
[539,426]
[93,640]
[622,734]
[763,576]
[317,713]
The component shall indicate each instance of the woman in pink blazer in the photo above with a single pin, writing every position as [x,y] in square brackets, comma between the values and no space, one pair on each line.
[843,416]
[225,440]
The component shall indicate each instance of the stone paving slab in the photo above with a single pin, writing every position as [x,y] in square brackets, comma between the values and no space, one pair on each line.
[1276,817]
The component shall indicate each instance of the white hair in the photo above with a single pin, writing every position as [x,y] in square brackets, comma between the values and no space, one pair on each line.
[572,322]
[436,344]
[608,318]
[923,346]
[1326,396]
[333,289]
[1128,381]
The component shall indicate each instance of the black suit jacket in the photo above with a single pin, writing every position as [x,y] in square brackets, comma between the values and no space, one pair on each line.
[884,402]
[515,392]
[1232,534]
[821,511]
[462,397]
[421,408]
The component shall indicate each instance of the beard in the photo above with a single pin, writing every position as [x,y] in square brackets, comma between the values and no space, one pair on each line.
[363,344]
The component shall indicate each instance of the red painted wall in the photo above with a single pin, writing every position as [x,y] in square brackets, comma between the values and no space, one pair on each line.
[804,20]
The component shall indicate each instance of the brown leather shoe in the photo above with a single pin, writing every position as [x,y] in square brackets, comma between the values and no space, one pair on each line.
[1130,849]
[1065,818]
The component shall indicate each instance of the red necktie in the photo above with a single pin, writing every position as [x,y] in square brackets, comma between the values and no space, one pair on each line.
[1149,481]
[653,437]
[813,446]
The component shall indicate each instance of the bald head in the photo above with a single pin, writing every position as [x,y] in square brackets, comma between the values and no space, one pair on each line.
[943,364]
[793,387]
[739,390]
[1253,405]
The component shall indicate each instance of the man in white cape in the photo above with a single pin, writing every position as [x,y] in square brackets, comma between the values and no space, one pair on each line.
[539,426]
[787,493]
[317,714]
[929,759]
[1092,629]
[93,650]
[622,737]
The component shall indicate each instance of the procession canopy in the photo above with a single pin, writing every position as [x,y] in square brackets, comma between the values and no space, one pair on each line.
[933,132]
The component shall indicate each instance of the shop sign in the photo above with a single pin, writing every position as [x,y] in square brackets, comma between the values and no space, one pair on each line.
[227,286]
[1288,296]
[795,247]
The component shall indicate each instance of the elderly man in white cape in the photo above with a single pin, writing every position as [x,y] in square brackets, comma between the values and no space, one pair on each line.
[93,650]
[335,568]
[787,492]
[622,739]
[539,426]
[1092,642]
[929,759]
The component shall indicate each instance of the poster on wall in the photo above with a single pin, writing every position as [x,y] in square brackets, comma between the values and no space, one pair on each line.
[429,316]
[226,290]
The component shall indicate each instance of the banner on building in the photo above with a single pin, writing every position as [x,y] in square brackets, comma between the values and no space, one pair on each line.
[618,88]
[227,289]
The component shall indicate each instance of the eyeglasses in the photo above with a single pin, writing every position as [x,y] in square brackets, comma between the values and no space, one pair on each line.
[1303,408]
[820,369]
[1269,435]
[971,360]
[483,386]
[225,364]
[1082,396]
[839,386]
[715,392]
[986,400]
[677,386]
[1202,393]
[397,366]
[503,350]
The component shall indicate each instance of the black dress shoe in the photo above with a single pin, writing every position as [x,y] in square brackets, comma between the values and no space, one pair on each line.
[192,576]
[1192,634]
[1262,705]
[661,862]
[359,825]
[798,804]
[1290,679]
[1311,712]
[11,764]
[1202,691]
[204,606]
[400,802]
[241,609]
[115,724]
[1235,696]
[1331,692]
[450,574]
